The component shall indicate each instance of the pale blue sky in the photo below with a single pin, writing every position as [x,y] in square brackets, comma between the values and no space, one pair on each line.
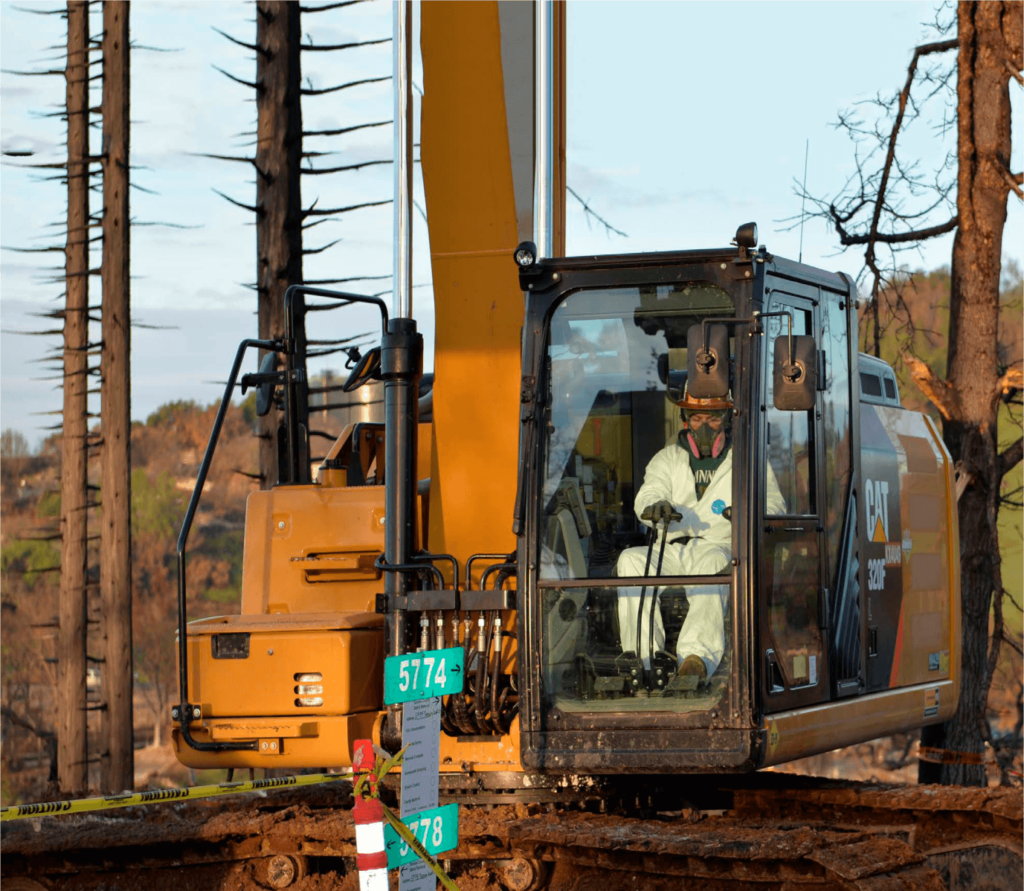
[684,120]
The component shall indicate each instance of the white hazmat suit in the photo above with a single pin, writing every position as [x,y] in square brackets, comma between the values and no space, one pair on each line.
[668,477]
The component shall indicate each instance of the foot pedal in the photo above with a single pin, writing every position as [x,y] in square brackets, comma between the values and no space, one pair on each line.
[631,670]
[683,683]
[663,669]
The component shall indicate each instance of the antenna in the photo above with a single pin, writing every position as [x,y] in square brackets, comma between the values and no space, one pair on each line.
[803,199]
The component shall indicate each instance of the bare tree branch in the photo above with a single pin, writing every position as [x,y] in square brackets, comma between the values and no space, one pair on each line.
[240,158]
[305,9]
[1011,457]
[1013,181]
[898,237]
[341,281]
[249,207]
[238,80]
[589,211]
[322,170]
[343,46]
[1014,73]
[342,130]
[249,46]
[320,250]
[354,83]
[1012,380]
[938,391]
[314,212]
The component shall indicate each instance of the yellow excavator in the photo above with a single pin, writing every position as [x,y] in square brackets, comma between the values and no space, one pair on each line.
[489,512]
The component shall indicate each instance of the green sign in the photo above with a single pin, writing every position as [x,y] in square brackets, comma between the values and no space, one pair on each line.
[436,829]
[423,675]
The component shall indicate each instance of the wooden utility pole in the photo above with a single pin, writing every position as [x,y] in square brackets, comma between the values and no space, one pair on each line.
[278,191]
[72,733]
[115,538]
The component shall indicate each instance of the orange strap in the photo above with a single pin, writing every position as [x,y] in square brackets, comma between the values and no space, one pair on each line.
[947,756]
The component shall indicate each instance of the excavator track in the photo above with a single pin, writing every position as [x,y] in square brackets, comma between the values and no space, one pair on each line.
[775,832]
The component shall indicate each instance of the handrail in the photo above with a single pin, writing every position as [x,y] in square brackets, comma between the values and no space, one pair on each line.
[334,295]
[185,713]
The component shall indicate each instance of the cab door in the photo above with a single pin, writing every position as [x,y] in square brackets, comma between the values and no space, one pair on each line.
[791,598]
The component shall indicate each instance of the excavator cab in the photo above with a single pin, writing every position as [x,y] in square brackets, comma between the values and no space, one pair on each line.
[610,343]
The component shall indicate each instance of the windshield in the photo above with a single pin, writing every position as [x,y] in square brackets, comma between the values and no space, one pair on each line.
[634,486]
[617,361]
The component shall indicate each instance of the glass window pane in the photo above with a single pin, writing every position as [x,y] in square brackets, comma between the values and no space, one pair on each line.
[791,580]
[589,656]
[788,433]
[616,367]
[835,403]
[870,385]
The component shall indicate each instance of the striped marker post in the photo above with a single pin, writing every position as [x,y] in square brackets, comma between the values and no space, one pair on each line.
[368,815]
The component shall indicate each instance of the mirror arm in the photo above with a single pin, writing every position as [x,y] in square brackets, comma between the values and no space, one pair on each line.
[789,326]
[734,320]
[255,379]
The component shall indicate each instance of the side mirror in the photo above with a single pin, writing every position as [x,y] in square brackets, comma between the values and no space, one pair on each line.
[794,379]
[707,369]
[365,368]
[265,388]
[672,374]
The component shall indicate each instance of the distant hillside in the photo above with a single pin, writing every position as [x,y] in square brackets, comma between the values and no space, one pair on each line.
[167,450]
[920,322]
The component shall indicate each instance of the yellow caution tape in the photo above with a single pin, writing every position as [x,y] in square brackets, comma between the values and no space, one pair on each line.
[109,802]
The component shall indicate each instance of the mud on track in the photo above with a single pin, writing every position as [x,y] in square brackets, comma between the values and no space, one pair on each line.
[778,832]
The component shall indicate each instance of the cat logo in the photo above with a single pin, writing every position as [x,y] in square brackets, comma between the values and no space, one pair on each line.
[876,508]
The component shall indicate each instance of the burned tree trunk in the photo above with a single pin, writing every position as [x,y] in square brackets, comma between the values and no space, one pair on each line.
[989,52]
[115,539]
[72,733]
[989,45]
[278,195]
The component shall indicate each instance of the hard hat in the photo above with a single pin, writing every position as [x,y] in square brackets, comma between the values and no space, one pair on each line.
[710,404]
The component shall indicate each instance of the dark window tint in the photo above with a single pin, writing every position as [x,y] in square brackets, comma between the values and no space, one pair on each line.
[890,388]
[870,385]
[789,434]
[836,423]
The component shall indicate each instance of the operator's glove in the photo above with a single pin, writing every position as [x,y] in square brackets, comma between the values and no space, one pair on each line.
[659,512]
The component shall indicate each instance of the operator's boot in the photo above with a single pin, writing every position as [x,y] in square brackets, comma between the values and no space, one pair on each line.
[693,666]
[690,676]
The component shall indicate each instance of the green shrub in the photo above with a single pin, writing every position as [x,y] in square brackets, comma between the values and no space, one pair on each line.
[170,410]
[157,505]
[30,558]
[49,505]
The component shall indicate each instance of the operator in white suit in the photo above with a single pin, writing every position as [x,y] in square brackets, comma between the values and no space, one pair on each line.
[691,477]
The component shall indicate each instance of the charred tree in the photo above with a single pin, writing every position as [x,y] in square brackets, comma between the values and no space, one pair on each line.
[278,187]
[990,36]
[72,733]
[115,419]
[893,206]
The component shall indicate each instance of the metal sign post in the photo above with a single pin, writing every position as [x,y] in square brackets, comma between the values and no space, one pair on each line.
[421,734]
[418,680]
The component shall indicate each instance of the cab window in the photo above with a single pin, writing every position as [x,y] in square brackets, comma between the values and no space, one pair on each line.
[616,361]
